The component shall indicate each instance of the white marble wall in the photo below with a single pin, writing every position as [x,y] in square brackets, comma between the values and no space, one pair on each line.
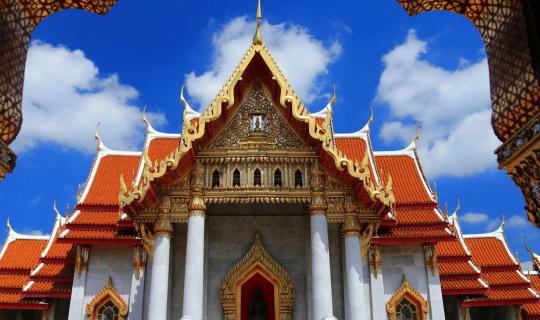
[105,262]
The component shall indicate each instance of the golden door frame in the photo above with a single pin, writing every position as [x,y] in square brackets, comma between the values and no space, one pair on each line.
[257,260]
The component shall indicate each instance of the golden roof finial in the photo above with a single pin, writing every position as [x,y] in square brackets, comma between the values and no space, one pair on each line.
[101,145]
[458,207]
[55,209]
[68,211]
[370,121]
[8,225]
[79,193]
[435,195]
[257,38]
[417,135]
[503,222]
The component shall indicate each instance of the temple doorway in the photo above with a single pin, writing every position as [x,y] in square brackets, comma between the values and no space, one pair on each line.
[258,299]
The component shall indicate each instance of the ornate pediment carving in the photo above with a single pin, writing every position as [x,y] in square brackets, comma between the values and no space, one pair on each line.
[257,120]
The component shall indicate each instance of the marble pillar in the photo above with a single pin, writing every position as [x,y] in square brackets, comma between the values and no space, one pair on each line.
[159,285]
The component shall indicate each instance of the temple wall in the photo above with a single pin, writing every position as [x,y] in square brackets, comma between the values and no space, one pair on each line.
[105,262]
[230,237]
[406,260]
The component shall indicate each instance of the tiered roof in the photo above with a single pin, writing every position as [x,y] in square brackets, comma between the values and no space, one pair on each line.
[19,255]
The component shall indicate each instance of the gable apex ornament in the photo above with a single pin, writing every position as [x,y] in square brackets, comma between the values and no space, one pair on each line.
[257,38]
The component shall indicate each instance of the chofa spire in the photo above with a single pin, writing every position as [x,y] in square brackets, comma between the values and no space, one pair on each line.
[257,38]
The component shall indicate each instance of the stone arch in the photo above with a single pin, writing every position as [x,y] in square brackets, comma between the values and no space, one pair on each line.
[257,261]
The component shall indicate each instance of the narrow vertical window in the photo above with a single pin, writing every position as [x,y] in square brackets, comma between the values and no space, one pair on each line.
[215,179]
[236,178]
[277,178]
[108,311]
[257,177]
[298,181]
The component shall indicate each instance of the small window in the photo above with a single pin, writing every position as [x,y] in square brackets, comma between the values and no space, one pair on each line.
[406,310]
[298,181]
[215,179]
[108,311]
[236,178]
[277,178]
[257,177]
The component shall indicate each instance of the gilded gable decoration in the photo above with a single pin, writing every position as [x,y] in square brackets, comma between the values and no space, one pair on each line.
[257,260]
[109,299]
[407,297]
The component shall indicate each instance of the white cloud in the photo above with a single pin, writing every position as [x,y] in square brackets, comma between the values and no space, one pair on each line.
[452,107]
[65,97]
[493,224]
[474,218]
[33,232]
[517,222]
[527,266]
[302,58]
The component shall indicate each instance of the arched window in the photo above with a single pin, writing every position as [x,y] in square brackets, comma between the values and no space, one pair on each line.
[215,179]
[108,311]
[277,178]
[107,305]
[236,178]
[406,310]
[257,177]
[298,181]
[407,304]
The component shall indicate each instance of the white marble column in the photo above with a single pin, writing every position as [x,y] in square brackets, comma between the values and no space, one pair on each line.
[378,299]
[136,294]
[320,256]
[193,301]
[355,301]
[76,303]
[159,285]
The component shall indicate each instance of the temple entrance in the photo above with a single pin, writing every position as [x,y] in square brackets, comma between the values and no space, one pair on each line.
[257,288]
[257,298]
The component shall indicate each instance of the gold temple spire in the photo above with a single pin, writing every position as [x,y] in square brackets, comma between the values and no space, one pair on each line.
[8,225]
[257,38]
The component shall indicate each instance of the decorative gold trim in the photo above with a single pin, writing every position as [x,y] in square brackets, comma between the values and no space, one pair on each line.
[139,261]
[407,291]
[430,255]
[194,129]
[81,259]
[375,260]
[148,240]
[367,236]
[108,293]
[257,259]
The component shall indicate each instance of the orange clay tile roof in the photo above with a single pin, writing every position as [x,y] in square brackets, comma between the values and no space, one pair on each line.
[60,250]
[354,148]
[56,270]
[17,298]
[451,249]
[108,215]
[97,235]
[456,268]
[407,183]
[510,294]
[462,284]
[22,254]
[49,287]
[532,310]
[418,216]
[417,233]
[161,147]
[12,281]
[504,278]
[489,252]
[105,186]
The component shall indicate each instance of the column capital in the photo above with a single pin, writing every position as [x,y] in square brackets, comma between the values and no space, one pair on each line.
[351,227]
[163,227]
[196,206]
[318,204]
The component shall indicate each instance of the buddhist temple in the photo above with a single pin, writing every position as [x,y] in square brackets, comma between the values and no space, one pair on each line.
[259,209]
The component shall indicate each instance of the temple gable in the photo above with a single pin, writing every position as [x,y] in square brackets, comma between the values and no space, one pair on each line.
[257,119]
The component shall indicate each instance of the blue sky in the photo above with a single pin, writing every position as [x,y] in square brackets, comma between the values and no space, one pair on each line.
[429,69]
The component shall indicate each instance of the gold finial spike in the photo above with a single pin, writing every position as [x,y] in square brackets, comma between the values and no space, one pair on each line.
[370,121]
[435,195]
[101,145]
[67,210]
[55,209]
[417,135]
[8,225]
[458,207]
[257,38]
[79,192]
[503,222]
[527,246]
